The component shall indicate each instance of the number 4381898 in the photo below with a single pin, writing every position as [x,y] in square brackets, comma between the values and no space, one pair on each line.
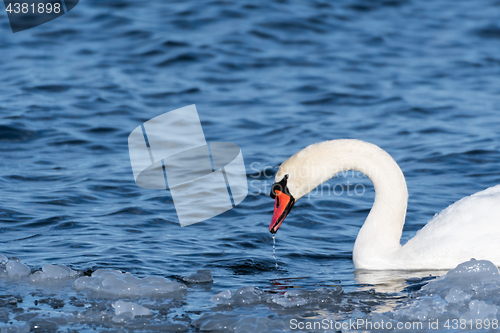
[41,8]
[477,324]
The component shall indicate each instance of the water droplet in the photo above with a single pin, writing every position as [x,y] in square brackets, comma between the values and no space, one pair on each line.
[274,252]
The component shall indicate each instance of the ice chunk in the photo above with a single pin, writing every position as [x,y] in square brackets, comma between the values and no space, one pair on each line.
[477,271]
[293,293]
[231,323]
[480,310]
[119,286]
[456,295]
[450,296]
[286,302]
[201,276]
[3,259]
[243,296]
[422,310]
[52,272]
[246,295]
[4,315]
[221,298]
[42,325]
[466,273]
[17,269]
[475,278]
[122,318]
[381,319]
[259,324]
[58,271]
[115,283]
[216,322]
[166,328]
[15,329]
[136,309]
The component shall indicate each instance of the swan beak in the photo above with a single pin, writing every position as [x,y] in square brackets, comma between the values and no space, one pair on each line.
[283,205]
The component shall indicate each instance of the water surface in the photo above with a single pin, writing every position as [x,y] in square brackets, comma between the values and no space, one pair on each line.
[418,79]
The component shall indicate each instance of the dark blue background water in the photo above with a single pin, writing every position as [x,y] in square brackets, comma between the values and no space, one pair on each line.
[419,79]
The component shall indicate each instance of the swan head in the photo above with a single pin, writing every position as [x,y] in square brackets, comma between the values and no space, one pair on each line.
[284,202]
[296,177]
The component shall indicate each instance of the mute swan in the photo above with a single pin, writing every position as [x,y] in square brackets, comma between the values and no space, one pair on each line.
[469,228]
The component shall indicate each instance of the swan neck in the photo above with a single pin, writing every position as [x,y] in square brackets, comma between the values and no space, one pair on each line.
[380,235]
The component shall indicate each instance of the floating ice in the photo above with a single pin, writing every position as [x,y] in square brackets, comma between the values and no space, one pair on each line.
[53,272]
[17,269]
[126,311]
[300,298]
[4,314]
[136,309]
[480,310]
[42,325]
[288,301]
[15,329]
[473,271]
[243,296]
[56,302]
[122,318]
[467,277]
[201,276]
[456,295]
[293,298]
[247,295]
[115,283]
[166,327]
[470,292]
[222,297]
[3,259]
[231,323]
[260,324]
[216,322]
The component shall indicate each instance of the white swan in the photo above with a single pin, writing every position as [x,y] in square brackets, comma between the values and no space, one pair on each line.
[470,228]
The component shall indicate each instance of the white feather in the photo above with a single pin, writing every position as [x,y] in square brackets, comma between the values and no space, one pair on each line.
[470,228]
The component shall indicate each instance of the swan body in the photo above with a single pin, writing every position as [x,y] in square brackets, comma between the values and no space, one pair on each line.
[469,228]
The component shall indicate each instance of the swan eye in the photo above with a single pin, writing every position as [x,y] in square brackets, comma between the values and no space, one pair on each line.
[280,186]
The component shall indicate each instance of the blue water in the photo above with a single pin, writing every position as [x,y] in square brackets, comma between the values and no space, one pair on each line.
[419,79]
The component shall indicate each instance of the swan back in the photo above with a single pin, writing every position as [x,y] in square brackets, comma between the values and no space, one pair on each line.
[469,228]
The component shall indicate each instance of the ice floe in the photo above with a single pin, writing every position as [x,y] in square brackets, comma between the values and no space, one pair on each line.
[468,293]
[136,309]
[232,323]
[222,297]
[126,311]
[243,296]
[471,291]
[113,283]
[201,276]
[53,273]
[16,269]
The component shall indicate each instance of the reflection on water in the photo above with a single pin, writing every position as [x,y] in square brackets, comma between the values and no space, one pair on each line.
[394,281]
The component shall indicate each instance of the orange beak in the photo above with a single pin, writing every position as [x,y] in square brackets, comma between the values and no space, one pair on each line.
[282,207]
